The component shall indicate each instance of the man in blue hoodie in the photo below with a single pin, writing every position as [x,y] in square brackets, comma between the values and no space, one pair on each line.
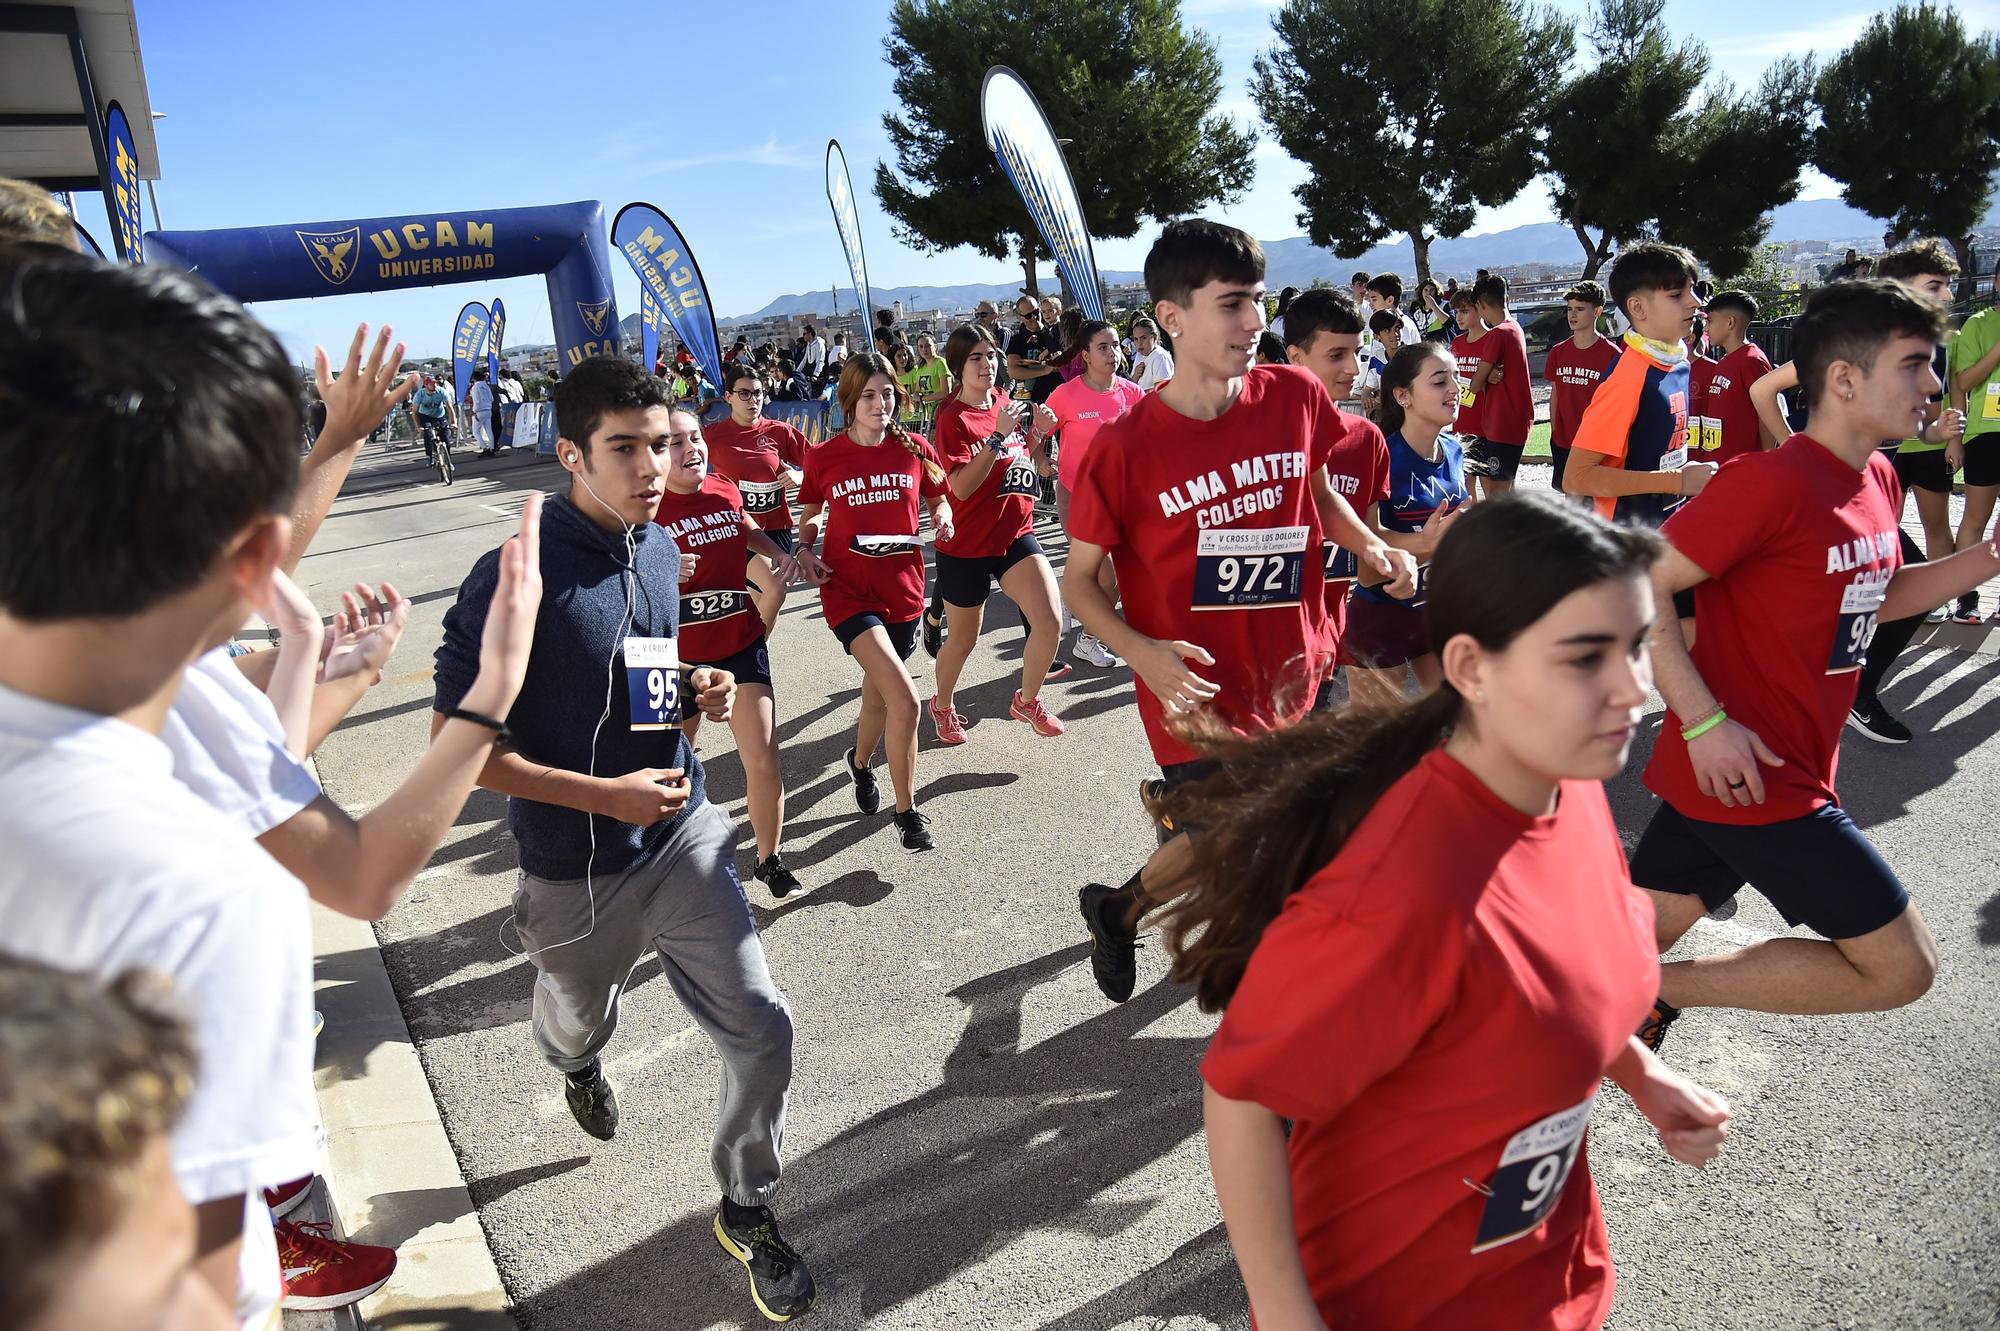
[620,850]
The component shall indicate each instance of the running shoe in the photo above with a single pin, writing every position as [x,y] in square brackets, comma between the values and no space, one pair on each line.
[1872,719]
[592,1102]
[1114,945]
[950,724]
[286,1197]
[319,1022]
[1036,714]
[1092,652]
[780,1285]
[1652,1031]
[323,1273]
[867,795]
[1151,792]
[1939,615]
[933,635]
[1968,609]
[911,827]
[773,874]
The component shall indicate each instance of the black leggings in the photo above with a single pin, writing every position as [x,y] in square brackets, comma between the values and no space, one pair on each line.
[1891,638]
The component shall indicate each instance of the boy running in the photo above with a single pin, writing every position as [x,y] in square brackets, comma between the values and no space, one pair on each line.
[1574,368]
[1509,411]
[1793,556]
[1211,497]
[1728,417]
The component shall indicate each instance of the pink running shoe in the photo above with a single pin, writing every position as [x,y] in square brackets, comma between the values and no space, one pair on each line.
[1036,714]
[950,725]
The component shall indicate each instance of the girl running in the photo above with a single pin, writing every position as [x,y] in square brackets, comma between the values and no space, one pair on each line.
[762,457]
[1421,925]
[989,447]
[928,381]
[1082,407]
[862,489]
[1426,490]
[720,627]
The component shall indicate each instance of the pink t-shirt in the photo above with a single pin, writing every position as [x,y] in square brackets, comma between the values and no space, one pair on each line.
[1081,411]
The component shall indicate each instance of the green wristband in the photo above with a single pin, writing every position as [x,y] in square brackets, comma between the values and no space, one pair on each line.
[1700,728]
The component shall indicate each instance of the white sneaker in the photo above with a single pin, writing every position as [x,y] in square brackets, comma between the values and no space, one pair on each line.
[1092,652]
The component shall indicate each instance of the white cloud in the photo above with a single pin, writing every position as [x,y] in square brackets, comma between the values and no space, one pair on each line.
[1827,34]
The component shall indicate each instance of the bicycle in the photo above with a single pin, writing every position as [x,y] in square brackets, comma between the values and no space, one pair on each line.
[437,444]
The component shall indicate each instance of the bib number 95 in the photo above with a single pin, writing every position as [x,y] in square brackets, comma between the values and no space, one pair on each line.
[653,683]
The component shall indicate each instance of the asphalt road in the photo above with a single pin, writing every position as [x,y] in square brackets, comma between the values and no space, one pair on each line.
[978,1140]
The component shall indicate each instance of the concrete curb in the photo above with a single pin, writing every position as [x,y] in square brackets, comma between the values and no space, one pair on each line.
[391,1175]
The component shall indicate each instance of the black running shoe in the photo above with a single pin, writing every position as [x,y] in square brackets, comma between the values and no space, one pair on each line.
[867,795]
[780,1285]
[1872,719]
[1152,791]
[1114,960]
[592,1101]
[911,825]
[933,635]
[1967,611]
[773,874]
[1652,1031]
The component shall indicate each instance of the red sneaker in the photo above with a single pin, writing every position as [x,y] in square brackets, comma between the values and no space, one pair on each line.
[285,1198]
[1036,714]
[950,725]
[323,1273]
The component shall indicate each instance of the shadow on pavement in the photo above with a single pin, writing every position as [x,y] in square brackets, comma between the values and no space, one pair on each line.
[1013,1141]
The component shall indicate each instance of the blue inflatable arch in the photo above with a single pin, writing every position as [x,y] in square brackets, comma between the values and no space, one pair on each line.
[564,240]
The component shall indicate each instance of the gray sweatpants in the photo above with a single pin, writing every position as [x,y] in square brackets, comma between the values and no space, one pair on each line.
[687,904]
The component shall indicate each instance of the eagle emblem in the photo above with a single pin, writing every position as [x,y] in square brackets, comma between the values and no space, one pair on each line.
[594,312]
[332,252]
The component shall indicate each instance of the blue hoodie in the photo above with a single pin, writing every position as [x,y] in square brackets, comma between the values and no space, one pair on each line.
[580,630]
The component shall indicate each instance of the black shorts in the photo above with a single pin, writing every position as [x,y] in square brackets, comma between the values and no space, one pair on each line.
[784,538]
[752,665]
[1559,460]
[1500,461]
[903,636]
[1382,635]
[1926,470]
[1818,870]
[966,582]
[1982,459]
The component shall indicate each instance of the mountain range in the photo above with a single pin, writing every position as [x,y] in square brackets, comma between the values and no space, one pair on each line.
[1297,261]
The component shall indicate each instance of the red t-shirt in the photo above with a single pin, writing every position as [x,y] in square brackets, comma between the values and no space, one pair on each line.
[1573,376]
[1358,466]
[872,496]
[1445,1037]
[1510,398]
[1002,509]
[1471,410]
[718,619]
[1216,540]
[1729,417]
[755,457]
[1081,411]
[1798,547]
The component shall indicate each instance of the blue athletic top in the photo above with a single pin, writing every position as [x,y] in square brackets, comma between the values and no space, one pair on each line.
[1418,487]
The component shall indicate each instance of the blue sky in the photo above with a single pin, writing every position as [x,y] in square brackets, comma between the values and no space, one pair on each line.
[280,113]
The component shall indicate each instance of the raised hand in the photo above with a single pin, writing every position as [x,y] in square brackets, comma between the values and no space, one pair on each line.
[365,631]
[509,635]
[362,395]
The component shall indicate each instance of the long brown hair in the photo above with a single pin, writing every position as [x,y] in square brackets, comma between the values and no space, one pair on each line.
[1283,805]
[855,372]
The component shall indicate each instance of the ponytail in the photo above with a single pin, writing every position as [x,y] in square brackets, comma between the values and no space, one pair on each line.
[914,448]
[1276,813]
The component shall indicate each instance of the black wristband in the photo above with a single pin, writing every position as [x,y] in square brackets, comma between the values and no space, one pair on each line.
[499,728]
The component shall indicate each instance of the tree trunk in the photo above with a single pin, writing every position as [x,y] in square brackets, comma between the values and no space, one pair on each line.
[1420,250]
[1034,287]
[1968,281]
[1594,251]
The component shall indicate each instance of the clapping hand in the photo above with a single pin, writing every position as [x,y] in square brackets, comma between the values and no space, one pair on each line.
[362,395]
[366,629]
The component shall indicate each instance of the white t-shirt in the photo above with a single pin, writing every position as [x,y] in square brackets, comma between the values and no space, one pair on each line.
[1152,369]
[110,864]
[229,748]
[481,394]
[815,355]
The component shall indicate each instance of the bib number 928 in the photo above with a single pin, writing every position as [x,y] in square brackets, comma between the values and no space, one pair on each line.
[1249,568]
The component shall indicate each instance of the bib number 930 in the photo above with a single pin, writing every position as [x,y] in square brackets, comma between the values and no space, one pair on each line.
[1249,568]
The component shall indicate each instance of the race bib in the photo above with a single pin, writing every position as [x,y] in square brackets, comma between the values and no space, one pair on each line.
[1860,607]
[1711,434]
[1249,568]
[1992,399]
[1021,477]
[712,607]
[1672,458]
[653,682]
[884,547]
[762,496]
[1529,1182]
[1466,397]
[1341,565]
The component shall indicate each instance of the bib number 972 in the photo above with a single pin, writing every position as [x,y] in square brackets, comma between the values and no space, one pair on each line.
[1249,568]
